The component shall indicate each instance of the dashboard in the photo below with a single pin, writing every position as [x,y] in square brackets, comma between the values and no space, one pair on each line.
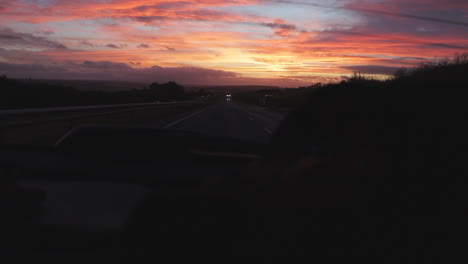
[73,202]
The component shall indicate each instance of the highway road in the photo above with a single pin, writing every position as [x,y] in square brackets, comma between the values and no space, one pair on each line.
[228,119]
[224,119]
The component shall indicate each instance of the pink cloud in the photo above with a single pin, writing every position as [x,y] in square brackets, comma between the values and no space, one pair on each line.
[234,36]
[8,37]
[106,70]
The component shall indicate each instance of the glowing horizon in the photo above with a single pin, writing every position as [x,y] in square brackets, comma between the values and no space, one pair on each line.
[283,43]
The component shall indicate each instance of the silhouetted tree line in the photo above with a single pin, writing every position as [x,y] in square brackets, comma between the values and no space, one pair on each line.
[408,135]
[436,76]
[28,94]
[166,92]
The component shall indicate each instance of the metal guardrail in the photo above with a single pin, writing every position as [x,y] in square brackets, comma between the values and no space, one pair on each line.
[43,127]
[113,110]
[10,112]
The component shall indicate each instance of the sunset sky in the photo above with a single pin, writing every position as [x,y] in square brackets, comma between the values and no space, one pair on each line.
[235,42]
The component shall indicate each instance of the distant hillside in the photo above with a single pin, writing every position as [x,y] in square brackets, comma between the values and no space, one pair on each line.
[233,89]
[92,85]
[117,86]
[16,94]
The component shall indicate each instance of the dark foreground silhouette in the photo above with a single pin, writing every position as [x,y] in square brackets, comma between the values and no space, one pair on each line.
[362,172]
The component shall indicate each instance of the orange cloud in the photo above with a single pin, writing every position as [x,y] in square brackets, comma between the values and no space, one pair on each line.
[255,39]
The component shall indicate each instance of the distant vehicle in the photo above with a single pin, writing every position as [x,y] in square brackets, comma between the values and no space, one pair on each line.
[228,97]
[265,100]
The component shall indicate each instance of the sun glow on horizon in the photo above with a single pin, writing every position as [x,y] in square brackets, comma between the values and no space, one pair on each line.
[226,42]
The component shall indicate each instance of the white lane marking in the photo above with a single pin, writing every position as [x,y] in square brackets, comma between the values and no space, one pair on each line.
[268,131]
[185,118]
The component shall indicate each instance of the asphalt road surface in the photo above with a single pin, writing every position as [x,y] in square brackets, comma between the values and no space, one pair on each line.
[229,119]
